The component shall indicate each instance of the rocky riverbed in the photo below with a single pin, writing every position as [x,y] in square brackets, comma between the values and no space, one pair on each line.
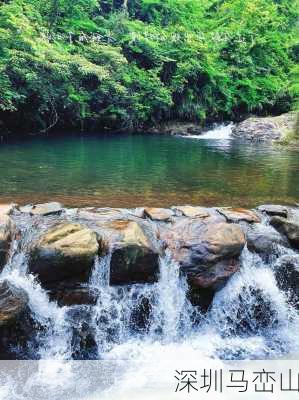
[60,249]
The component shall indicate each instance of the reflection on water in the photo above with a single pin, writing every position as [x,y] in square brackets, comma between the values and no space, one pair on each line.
[146,170]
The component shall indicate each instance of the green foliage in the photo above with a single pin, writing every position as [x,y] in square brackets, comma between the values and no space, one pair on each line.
[117,64]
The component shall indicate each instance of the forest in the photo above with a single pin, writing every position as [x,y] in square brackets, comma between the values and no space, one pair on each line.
[127,65]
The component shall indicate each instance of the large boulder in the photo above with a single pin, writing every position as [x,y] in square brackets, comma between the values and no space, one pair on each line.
[66,251]
[216,242]
[258,129]
[7,231]
[208,253]
[134,252]
[287,227]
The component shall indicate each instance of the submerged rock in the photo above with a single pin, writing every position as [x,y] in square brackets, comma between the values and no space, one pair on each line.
[135,253]
[7,231]
[66,251]
[239,214]
[258,129]
[289,228]
[158,214]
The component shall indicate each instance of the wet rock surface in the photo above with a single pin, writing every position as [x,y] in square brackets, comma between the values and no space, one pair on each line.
[287,276]
[15,322]
[7,232]
[134,253]
[287,227]
[263,239]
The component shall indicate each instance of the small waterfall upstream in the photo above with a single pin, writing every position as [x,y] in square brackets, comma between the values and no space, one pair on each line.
[250,318]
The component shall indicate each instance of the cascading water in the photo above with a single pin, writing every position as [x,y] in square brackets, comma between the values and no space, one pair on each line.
[134,326]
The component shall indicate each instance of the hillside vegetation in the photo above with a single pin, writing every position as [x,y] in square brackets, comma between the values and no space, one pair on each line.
[130,64]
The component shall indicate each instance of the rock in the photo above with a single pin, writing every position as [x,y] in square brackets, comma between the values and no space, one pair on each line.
[177,128]
[258,129]
[208,254]
[216,242]
[239,214]
[66,251]
[43,209]
[287,276]
[13,303]
[73,295]
[158,214]
[135,253]
[215,276]
[94,214]
[262,239]
[289,228]
[273,209]
[193,212]
[7,231]
[16,326]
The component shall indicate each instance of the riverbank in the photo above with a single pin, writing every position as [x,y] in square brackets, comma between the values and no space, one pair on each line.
[87,260]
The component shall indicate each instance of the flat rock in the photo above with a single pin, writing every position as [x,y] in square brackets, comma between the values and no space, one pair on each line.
[158,214]
[43,209]
[274,209]
[193,212]
[7,231]
[66,251]
[239,214]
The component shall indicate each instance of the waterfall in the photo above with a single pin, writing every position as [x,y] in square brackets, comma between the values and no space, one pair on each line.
[133,326]
[160,311]
[220,132]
